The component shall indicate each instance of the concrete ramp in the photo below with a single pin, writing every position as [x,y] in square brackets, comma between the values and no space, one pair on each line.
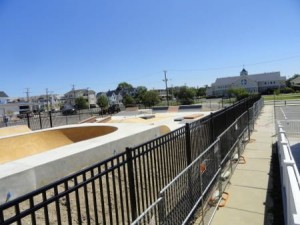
[160,109]
[5,131]
[173,109]
[189,108]
[89,120]
[27,144]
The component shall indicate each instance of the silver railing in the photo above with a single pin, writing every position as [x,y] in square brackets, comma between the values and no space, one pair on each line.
[290,178]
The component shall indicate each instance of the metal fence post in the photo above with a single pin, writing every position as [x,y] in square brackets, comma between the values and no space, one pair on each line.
[188,144]
[41,125]
[131,184]
[28,120]
[248,115]
[50,118]
[212,128]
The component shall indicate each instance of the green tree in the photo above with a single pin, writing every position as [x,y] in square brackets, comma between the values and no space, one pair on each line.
[124,86]
[128,100]
[81,103]
[186,95]
[139,95]
[201,92]
[102,101]
[239,93]
[151,98]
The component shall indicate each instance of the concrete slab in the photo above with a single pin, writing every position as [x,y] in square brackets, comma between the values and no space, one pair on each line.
[25,174]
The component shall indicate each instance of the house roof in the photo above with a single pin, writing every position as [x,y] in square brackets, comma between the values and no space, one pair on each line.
[296,80]
[256,77]
[3,95]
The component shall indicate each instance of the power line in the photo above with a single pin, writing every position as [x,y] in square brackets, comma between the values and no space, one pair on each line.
[236,66]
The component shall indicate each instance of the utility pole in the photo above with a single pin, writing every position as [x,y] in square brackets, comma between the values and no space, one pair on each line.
[47,99]
[88,97]
[166,82]
[27,94]
[51,99]
[73,88]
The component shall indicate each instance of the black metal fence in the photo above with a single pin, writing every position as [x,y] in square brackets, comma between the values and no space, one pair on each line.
[199,188]
[120,188]
[50,119]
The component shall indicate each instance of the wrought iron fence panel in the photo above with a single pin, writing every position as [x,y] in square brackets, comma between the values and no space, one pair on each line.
[155,164]
[201,137]
[96,195]
[181,196]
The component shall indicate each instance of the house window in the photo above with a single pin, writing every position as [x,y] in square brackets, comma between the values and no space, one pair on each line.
[243,82]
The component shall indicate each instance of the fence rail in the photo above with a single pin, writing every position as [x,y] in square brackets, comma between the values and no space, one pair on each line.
[206,176]
[49,119]
[119,189]
[290,178]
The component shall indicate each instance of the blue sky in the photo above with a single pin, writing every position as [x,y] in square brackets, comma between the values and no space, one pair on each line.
[55,44]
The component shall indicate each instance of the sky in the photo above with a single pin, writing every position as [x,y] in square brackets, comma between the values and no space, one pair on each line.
[97,44]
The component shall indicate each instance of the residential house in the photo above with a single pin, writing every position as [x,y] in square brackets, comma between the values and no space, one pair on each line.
[46,102]
[114,97]
[89,95]
[255,83]
[295,83]
[3,97]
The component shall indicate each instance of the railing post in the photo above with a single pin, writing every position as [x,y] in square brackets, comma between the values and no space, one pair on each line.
[131,184]
[188,144]
[41,125]
[28,120]
[50,118]
[248,115]
[212,128]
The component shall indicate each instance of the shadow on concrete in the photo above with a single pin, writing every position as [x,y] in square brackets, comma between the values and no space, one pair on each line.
[273,204]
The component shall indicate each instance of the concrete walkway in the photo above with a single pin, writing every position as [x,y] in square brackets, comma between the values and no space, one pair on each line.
[250,185]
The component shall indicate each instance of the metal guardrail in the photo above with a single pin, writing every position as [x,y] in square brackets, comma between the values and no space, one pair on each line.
[290,178]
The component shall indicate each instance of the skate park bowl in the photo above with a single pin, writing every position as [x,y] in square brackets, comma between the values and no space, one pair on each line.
[32,159]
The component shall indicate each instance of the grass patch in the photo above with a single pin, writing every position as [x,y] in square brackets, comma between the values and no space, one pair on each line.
[295,96]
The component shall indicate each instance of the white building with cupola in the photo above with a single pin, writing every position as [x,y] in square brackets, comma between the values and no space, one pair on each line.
[253,84]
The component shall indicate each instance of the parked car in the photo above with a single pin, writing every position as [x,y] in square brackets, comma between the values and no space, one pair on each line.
[25,114]
[68,111]
[110,110]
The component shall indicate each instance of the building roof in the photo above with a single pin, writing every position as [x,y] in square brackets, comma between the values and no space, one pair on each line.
[256,77]
[3,95]
[225,80]
[296,80]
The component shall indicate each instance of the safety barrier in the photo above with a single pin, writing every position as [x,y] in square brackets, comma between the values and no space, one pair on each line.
[199,188]
[290,178]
